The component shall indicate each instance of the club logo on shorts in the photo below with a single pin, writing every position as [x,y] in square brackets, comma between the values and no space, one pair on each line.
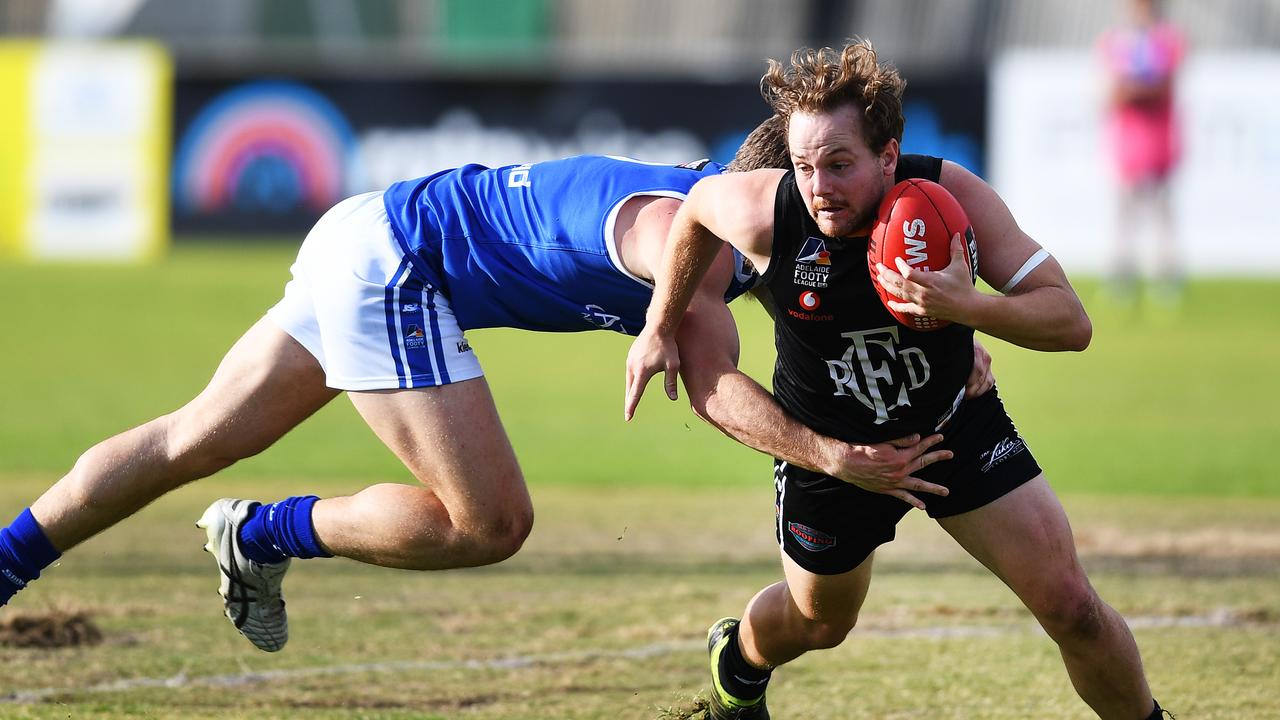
[415,338]
[810,539]
[813,264]
[411,307]
[1005,449]
[464,346]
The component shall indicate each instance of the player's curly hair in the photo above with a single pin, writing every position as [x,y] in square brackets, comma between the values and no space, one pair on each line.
[765,147]
[825,79]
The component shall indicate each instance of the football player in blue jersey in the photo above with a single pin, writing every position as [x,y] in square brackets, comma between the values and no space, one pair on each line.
[853,373]
[382,290]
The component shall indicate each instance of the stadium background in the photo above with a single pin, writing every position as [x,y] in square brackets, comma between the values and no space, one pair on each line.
[280,109]
[266,112]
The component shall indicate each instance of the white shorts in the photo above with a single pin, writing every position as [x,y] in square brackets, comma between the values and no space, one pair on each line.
[357,305]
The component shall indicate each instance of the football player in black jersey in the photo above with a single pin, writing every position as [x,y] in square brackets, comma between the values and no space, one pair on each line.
[887,397]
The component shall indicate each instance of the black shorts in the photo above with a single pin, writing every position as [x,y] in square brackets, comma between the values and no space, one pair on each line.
[828,526]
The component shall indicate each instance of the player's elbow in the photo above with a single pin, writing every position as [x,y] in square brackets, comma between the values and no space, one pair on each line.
[706,400]
[1086,335]
[700,399]
[702,375]
[1072,328]
[1077,335]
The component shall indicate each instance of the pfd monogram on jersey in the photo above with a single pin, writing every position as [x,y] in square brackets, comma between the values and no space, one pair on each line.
[845,367]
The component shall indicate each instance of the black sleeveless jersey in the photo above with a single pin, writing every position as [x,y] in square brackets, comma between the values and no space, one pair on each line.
[846,367]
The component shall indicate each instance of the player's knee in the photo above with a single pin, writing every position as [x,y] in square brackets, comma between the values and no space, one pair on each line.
[1071,611]
[500,535]
[826,635]
[821,633]
[507,535]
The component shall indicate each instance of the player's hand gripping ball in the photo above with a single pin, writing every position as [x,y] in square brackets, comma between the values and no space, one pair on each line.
[916,221]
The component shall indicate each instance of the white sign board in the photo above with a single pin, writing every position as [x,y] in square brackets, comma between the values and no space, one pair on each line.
[1049,162]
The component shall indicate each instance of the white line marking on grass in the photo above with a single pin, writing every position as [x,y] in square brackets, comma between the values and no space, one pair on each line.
[1220,618]
[508,663]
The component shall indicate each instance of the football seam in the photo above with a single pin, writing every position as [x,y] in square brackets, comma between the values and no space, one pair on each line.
[922,323]
[943,218]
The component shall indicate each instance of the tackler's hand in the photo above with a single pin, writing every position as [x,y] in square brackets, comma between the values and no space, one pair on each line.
[981,378]
[887,467]
[649,354]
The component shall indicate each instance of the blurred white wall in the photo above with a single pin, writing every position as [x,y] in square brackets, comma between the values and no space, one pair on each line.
[1048,159]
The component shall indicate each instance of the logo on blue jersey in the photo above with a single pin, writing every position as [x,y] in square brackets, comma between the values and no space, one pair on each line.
[411,307]
[597,316]
[415,338]
[810,539]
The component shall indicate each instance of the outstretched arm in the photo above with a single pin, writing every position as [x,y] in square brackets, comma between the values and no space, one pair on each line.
[737,208]
[740,408]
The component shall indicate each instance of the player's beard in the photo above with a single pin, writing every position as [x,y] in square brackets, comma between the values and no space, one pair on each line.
[858,222]
[862,221]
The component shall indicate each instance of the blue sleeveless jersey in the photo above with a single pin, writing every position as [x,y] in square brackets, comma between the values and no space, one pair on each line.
[531,246]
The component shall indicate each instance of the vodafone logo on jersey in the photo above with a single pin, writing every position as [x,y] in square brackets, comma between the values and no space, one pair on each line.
[809,302]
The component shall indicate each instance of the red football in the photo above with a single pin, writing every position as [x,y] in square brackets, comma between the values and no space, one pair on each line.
[916,221]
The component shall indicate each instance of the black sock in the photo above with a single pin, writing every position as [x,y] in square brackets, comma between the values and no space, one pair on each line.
[1157,713]
[740,678]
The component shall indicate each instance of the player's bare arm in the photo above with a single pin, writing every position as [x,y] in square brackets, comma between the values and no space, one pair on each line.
[737,208]
[739,407]
[1037,307]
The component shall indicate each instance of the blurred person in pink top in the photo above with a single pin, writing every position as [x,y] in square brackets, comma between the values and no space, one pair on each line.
[1142,57]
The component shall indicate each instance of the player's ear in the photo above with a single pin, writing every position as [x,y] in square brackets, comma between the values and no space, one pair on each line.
[889,157]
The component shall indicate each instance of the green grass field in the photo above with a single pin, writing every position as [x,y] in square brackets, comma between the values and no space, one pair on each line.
[1157,437]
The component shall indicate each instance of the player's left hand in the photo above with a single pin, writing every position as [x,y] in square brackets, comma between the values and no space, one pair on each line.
[943,294]
[649,354]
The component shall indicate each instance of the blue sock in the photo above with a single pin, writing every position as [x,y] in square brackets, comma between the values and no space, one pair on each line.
[24,552]
[281,530]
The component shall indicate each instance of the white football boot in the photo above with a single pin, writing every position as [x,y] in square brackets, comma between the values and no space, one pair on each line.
[250,591]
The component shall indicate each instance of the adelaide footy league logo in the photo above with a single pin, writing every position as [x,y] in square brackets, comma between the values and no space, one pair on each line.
[813,264]
[415,338]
